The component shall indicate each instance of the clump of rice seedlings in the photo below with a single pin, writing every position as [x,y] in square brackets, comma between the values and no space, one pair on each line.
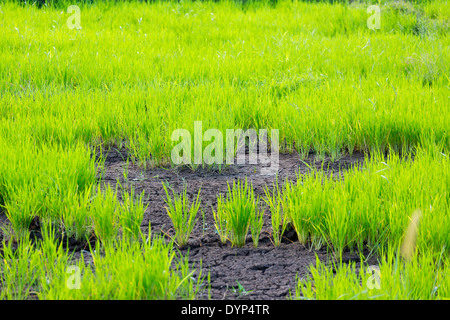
[104,211]
[234,216]
[132,211]
[241,207]
[338,223]
[392,278]
[278,219]
[54,259]
[48,182]
[293,202]
[18,270]
[75,215]
[182,213]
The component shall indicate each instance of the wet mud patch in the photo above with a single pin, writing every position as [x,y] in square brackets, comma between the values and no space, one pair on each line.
[265,272]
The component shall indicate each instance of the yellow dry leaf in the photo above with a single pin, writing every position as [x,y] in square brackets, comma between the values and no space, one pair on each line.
[410,237]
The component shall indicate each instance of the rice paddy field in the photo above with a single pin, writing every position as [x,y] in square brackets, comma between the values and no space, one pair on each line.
[92,205]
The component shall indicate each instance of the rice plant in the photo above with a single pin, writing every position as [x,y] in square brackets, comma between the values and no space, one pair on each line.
[19,270]
[131,212]
[278,218]
[256,223]
[105,214]
[235,215]
[220,219]
[64,95]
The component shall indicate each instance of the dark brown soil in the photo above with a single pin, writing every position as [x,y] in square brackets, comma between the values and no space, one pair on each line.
[265,272]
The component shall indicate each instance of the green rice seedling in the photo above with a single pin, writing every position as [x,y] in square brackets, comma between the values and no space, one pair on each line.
[279,219]
[54,259]
[192,285]
[292,207]
[69,216]
[337,223]
[75,216]
[18,269]
[410,238]
[256,223]
[21,212]
[220,219]
[304,203]
[239,209]
[131,212]
[147,270]
[182,213]
[423,277]
[104,212]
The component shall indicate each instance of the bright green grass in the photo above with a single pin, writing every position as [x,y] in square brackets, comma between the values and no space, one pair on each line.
[371,206]
[371,209]
[315,71]
[123,270]
[135,72]
[182,213]
[424,277]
